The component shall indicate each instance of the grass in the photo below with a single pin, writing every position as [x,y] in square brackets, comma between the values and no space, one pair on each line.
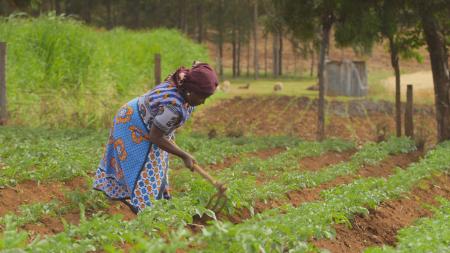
[298,86]
[79,76]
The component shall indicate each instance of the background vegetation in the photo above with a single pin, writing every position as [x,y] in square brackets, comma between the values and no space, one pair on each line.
[79,76]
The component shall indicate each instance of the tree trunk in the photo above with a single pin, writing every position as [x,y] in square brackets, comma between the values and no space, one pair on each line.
[238,71]
[86,11]
[313,57]
[234,47]
[57,5]
[265,55]
[295,63]
[248,55]
[280,53]
[109,24]
[114,16]
[200,22]
[220,42]
[136,15]
[255,40]
[326,27]
[395,64]
[439,66]
[275,54]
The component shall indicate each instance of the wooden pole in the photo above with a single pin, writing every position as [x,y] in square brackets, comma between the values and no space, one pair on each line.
[157,69]
[3,111]
[409,126]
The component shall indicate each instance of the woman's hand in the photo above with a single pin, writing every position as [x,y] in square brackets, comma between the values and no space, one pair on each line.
[189,161]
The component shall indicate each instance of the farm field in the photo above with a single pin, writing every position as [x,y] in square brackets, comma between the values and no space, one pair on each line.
[359,189]
[278,114]
[284,193]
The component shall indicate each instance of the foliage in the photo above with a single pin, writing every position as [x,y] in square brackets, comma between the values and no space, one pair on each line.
[61,68]
[277,230]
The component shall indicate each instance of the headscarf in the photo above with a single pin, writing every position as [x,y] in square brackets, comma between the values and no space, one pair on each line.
[201,79]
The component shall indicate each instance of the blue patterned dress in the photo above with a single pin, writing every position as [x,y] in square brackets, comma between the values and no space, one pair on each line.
[132,168]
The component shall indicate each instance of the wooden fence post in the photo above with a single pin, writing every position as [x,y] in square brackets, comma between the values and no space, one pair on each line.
[3,110]
[157,69]
[409,125]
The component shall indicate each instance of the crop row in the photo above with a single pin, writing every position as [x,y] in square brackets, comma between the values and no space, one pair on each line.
[163,217]
[290,227]
[427,235]
[92,200]
[282,169]
[43,155]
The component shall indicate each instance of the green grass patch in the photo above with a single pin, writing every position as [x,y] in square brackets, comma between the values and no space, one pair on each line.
[77,75]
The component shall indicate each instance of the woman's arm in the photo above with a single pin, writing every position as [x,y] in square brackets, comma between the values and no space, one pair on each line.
[157,137]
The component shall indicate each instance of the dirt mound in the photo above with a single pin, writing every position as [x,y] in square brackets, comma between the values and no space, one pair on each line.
[382,224]
[314,163]
[387,167]
[30,192]
[262,154]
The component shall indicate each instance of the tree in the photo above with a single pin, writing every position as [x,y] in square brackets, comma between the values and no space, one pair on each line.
[255,39]
[302,20]
[433,14]
[273,23]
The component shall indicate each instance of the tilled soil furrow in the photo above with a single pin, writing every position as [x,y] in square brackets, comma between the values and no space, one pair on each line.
[31,192]
[262,154]
[297,197]
[382,224]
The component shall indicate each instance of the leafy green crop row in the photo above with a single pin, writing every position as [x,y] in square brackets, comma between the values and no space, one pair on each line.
[289,227]
[40,154]
[164,217]
[430,235]
[282,169]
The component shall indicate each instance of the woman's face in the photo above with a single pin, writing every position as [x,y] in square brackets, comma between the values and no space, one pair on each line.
[194,99]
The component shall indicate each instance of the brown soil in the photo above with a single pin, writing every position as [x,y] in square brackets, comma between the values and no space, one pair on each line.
[262,154]
[382,224]
[387,167]
[384,169]
[357,119]
[118,207]
[51,225]
[314,163]
[30,192]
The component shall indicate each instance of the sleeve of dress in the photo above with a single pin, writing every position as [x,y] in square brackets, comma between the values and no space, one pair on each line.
[167,119]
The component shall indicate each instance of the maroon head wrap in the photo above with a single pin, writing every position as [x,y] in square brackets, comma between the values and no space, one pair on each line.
[201,79]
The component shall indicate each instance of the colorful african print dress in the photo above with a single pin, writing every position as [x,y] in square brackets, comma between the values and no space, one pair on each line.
[132,168]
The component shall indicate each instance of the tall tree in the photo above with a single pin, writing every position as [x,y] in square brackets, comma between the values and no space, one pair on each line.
[433,14]
[375,22]
[255,39]
[302,20]
[273,24]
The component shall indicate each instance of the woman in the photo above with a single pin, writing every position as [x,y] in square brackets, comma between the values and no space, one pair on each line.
[135,165]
